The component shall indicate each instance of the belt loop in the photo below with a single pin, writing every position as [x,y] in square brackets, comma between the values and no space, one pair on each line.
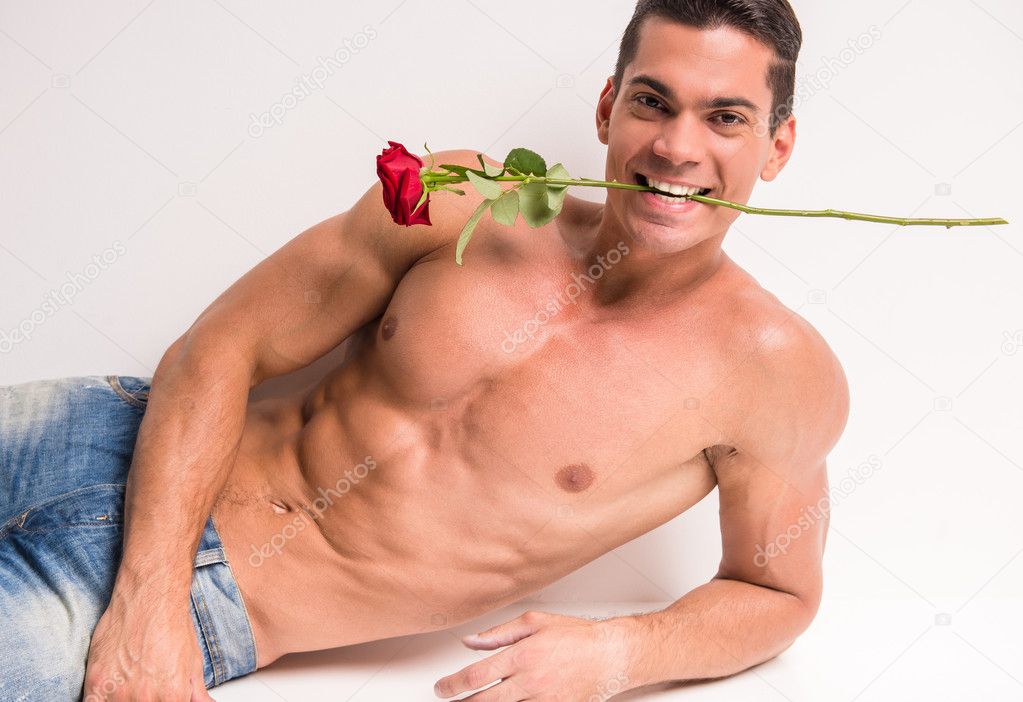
[210,555]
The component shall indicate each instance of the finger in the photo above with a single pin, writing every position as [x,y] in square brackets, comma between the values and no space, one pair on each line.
[505,691]
[472,677]
[505,634]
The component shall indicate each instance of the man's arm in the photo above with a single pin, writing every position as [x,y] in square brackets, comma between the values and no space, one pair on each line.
[774,508]
[292,308]
[768,585]
[757,604]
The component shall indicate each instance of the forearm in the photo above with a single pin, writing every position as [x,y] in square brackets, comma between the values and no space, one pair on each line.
[186,445]
[718,629]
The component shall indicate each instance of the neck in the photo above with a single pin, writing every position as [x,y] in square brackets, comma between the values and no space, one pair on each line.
[643,277]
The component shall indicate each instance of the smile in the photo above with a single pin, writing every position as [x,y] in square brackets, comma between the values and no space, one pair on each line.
[669,189]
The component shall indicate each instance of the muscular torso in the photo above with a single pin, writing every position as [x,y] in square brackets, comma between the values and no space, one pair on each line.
[483,437]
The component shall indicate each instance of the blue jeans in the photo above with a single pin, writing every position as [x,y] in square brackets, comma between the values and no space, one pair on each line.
[66,446]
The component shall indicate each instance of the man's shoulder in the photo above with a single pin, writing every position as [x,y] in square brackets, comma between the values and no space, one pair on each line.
[793,378]
[770,331]
[449,211]
[458,157]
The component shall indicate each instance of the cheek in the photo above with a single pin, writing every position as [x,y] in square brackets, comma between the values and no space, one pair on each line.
[739,165]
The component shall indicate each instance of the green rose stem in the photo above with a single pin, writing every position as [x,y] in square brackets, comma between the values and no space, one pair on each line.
[540,193]
[431,179]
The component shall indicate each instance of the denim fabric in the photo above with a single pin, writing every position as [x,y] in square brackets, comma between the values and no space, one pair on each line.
[66,446]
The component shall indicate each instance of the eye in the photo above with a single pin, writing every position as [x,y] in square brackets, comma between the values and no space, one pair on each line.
[739,119]
[638,98]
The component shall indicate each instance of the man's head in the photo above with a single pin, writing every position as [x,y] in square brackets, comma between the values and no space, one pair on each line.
[770,22]
[668,112]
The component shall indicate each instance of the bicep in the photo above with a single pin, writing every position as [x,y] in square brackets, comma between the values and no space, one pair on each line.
[774,520]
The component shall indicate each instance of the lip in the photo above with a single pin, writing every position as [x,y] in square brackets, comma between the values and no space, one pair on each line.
[685,204]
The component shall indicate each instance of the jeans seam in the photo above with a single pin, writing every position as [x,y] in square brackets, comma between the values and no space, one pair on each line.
[241,600]
[205,637]
[212,644]
[23,530]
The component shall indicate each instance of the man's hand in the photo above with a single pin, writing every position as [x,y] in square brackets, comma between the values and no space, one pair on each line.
[144,652]
[551,658]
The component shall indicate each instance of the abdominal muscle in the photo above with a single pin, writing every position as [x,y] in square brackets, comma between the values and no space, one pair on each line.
[349,520]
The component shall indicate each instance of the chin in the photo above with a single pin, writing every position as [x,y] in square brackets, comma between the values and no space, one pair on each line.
[665,239]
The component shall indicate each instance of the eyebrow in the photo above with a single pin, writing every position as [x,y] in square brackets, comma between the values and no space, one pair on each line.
[716,103]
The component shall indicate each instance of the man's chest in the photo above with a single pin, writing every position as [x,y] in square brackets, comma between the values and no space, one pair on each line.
[517,378]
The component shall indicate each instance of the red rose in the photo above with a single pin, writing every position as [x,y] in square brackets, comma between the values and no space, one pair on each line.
[399,172]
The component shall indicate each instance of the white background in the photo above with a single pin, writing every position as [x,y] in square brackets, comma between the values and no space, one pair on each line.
[130,123]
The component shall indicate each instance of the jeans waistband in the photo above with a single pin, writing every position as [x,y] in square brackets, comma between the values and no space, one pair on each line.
[218,613]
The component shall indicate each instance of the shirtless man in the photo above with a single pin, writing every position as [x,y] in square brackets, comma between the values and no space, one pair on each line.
[442,471]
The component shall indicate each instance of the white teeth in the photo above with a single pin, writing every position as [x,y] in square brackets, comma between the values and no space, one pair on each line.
[672,188]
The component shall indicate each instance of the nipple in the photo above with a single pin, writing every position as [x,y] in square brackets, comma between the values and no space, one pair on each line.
[574,478]
[389,326]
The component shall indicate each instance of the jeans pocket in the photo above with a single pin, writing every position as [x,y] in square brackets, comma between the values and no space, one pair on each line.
[92,506]
[132,389]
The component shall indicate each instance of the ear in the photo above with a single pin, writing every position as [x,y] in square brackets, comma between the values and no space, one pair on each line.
[781,149]
[604,105]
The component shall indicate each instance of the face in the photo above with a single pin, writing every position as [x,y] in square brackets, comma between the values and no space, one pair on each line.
[675,132]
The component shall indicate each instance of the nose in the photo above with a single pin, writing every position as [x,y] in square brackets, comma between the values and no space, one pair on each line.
[680,141]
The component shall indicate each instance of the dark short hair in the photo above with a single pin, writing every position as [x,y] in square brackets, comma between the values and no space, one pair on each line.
[771,22]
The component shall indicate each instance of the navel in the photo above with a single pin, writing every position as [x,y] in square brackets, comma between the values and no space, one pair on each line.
[278,506]
[388,327]
[574,478]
